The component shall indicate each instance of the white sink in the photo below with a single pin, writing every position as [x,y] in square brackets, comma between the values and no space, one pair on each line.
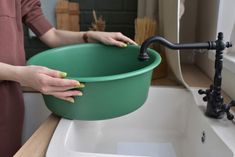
[169,124]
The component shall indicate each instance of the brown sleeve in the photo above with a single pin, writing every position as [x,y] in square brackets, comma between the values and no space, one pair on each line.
[33,17]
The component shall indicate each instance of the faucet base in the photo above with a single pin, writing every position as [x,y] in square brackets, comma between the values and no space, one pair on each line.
[213,114]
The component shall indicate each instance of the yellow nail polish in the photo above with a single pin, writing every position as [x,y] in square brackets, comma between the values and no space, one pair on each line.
[63,74]
[71,100]
[81,85]
[124,45]
[77,85]
[80,94]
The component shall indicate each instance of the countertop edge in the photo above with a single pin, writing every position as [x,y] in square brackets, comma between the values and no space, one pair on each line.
[37,144]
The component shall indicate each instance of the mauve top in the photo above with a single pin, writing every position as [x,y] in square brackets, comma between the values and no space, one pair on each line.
[12,14]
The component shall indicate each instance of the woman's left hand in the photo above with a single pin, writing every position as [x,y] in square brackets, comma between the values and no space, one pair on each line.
[109,38]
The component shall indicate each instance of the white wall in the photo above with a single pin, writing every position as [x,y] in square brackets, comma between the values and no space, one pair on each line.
[206,30]
[188,29]
[216,16]
[35,113]
[226,19]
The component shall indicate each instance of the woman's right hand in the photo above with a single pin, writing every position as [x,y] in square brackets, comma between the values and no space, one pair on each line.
[49,82]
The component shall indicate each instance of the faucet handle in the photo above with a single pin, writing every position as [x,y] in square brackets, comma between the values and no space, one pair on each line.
[205,98]
[200,91]
[207,93]
[230,116]
[232,103]
[227,108]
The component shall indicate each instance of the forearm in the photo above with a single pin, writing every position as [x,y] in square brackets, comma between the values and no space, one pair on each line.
[8,72]
[55,38]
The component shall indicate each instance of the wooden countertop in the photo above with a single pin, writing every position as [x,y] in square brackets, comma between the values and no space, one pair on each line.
[37,144]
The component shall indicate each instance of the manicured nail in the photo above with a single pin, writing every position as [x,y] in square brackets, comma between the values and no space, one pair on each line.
[63,74]
[124,45]
[80,94]
[70,100]
[77,85]
[81,85]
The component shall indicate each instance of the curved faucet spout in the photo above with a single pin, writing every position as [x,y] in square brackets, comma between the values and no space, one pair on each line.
[177,46]
[143,50]
[215,103]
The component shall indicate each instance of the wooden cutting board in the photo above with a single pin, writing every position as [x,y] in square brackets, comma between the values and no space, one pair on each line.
[74,16]
[67,15]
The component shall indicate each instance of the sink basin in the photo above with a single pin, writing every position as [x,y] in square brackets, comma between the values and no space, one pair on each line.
[169,124]
[117,83]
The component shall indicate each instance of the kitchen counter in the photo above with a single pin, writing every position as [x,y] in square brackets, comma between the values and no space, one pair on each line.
[37,144]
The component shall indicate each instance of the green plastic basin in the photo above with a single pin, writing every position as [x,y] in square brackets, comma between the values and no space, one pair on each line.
[116,82]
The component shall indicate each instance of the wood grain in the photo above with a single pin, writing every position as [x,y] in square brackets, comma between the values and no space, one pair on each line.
[37,144]
[62,15]
[74,16]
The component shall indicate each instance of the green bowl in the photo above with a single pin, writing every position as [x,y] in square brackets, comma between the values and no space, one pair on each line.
[116,82]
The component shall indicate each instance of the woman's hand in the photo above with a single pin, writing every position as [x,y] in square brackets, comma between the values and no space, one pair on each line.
[55,37]
[49,82]
[109,38]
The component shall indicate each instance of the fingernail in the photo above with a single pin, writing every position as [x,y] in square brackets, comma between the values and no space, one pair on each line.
[71,100]
[80,94]
[63,74]
[81,85]
[77,85]
[124,45]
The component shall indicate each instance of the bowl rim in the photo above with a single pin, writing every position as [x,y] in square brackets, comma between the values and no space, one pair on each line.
[147,68]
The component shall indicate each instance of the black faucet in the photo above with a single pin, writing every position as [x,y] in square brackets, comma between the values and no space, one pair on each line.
[215,102]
